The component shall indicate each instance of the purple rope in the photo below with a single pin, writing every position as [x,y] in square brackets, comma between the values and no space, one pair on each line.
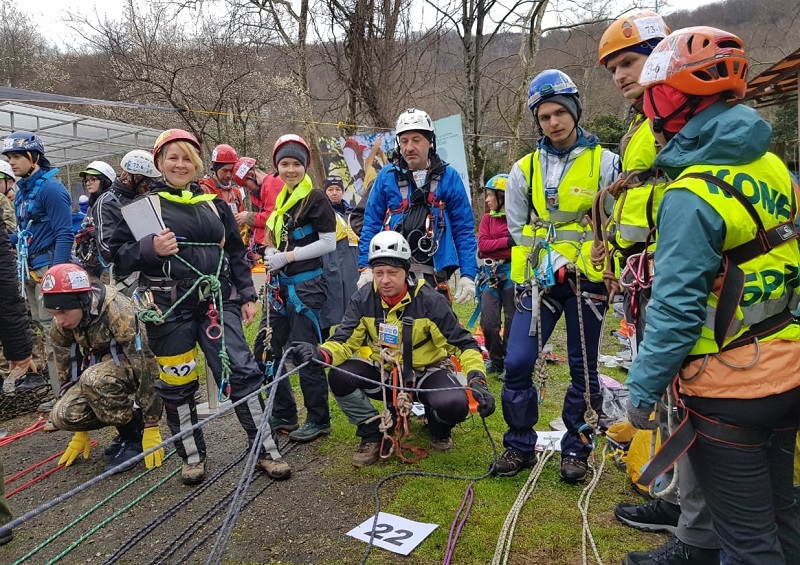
[458,523]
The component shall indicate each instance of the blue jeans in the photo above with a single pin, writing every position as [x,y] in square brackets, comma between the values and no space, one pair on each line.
[519,398]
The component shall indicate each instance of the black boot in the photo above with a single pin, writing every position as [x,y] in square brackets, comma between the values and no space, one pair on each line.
[128,443]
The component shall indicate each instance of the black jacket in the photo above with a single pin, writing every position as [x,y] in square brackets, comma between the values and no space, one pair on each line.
[15,331]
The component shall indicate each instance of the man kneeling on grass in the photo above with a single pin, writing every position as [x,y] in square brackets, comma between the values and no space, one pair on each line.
[377,317]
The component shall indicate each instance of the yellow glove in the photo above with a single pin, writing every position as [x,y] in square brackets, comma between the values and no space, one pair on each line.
[80,443]
[151,438]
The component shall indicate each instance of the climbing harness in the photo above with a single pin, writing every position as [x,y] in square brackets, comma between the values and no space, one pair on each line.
[208,287]
[493,276]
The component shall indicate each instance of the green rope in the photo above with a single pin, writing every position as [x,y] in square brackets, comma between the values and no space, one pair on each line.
[128,506]
[208,287]
[53,537]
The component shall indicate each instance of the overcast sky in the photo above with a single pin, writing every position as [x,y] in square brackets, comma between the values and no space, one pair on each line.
[49,14]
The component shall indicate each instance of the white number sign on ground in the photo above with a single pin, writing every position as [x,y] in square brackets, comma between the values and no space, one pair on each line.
[393,533]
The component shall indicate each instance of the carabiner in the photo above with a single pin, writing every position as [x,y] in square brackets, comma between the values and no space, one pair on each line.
[214,330]
[587,435]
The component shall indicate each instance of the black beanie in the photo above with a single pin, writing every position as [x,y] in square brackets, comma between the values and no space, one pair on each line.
[391,262]
[569,102]
[66,300]
[294,150]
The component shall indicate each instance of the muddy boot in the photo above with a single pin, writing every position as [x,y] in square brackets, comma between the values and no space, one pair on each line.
[193,473]
[367,453]
[277,469]
[29,381]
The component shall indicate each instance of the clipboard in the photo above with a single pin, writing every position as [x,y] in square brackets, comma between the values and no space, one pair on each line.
[143,216]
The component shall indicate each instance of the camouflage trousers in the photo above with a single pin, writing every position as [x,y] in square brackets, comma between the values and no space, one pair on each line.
[103,396]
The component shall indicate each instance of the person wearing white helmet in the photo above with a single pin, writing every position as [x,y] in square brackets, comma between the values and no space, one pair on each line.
[423,198]
[414,324]
[7,180]
[138,172]
[97,178]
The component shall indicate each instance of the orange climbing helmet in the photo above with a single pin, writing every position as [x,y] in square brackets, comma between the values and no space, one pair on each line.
[698,61]
[637,32]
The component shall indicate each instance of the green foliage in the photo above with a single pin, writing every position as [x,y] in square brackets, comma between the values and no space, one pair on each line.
[784,126]
[608,127]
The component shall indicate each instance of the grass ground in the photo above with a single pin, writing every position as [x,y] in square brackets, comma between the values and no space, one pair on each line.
[550,524]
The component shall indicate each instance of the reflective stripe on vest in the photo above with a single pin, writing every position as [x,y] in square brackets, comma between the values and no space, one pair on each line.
[576,192]
[771,280]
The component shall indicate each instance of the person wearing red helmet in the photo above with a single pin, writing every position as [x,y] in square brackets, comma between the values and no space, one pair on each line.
[220,180]
[261,190]
[300,230]
[720,312]
[200,240]
[105,368]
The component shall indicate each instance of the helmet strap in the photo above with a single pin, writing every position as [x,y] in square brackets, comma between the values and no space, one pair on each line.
[692,102]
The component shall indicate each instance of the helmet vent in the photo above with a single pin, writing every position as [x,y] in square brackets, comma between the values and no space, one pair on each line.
[729,44]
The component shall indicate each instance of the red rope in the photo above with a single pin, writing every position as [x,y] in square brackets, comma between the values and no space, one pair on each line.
[38,477]
[35,427]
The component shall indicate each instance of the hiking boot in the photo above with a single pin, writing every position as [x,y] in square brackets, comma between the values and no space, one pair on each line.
[367,453]
[126,450]
[673,552]
[573,470]
[655,516]
[46,407]
[49,426]
[193,473]
[283,425]
[443,444]
[29,381]
[512,462]
[7,537]
[277,469]
[310,431]
[112,447]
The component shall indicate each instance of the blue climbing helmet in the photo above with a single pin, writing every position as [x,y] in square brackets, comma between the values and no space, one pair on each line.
[553,83]
[27,143]
[497,182]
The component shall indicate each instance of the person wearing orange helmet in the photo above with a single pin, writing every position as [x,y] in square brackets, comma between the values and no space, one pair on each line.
[261,189]
[200,241]
[300,230]
[720,312]
[220,180]
[105,368]
[623,50]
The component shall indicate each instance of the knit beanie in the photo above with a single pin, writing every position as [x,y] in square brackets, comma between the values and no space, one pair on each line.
[293,150]
[568,102]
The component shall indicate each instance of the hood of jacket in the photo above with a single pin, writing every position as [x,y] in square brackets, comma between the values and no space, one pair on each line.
[719,135]
[585,139]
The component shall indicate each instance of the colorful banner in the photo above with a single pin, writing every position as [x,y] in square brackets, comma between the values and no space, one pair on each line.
[359,158]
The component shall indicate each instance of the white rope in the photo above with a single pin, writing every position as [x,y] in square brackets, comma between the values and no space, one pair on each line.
[583,506]
[503,548]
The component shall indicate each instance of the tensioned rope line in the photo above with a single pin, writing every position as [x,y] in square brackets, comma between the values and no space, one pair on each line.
[503,548]
[163,516]
[226,530]
[77,520]
[5,530]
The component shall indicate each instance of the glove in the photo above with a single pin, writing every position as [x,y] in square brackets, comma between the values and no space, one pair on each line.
[304,352]
[277,261]
[639,417]
[477,383]
[80,443]
[269,251]
[365,278]
[466,291]
[151,437]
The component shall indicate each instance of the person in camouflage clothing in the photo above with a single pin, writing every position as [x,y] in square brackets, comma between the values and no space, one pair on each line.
[104,365]
[7,180]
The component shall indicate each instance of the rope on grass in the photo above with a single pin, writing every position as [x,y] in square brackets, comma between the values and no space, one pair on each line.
[583,506]
[458,523]
[503,548]
[77,520]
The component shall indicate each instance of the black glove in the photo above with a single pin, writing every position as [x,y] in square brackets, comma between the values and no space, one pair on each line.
[639,417]
[477,382]
[304,352]
[511,242]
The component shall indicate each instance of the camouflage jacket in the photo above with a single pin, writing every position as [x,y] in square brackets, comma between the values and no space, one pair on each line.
[112,319]
[9,215]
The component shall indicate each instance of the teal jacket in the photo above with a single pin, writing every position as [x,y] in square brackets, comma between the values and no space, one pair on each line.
[691,235]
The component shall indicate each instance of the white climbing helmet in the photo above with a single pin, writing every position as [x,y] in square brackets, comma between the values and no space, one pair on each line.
[5,168]
[389,244]
[413,120]
[139,162]
[97,168]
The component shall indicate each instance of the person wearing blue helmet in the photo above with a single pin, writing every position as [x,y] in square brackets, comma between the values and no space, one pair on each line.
[494,288]
[548,198]
[44,238]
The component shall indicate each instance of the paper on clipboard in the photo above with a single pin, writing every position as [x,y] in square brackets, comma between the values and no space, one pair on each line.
[143,216]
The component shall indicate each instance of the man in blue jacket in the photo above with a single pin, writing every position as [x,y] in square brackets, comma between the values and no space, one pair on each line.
[44,237]
[423,198]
